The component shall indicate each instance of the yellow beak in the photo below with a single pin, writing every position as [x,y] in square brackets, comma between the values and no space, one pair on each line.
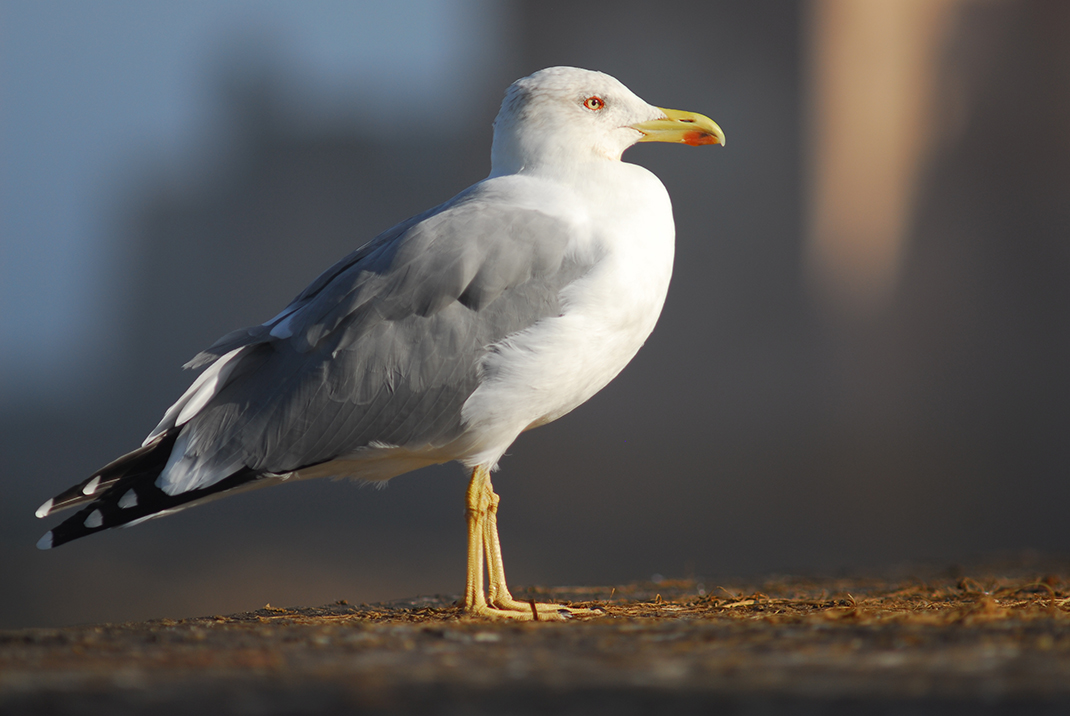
[678,126]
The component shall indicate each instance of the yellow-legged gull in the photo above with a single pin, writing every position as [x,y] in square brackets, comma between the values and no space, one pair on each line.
[443,338]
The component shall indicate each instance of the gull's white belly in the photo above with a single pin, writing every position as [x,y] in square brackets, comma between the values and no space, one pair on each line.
[547,370]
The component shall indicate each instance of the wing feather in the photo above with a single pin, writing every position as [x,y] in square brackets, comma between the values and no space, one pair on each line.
[384,347]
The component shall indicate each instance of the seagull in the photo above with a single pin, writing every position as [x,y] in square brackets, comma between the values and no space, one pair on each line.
[441,339]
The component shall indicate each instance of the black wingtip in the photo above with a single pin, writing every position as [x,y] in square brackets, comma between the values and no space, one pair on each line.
[146,460]
[137,498]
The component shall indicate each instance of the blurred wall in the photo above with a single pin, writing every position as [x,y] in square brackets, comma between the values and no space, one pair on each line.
[762,428]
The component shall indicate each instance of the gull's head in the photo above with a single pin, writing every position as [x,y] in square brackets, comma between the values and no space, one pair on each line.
[564,115]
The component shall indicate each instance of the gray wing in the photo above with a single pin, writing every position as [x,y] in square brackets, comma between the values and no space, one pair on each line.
[385,346]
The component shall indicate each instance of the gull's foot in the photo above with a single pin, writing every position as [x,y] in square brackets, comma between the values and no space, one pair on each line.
[525,615]
[531,611]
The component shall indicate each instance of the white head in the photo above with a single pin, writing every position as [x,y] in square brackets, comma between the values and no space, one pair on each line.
[564,115]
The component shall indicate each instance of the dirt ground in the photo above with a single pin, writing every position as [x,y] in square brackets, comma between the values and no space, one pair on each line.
[977,643]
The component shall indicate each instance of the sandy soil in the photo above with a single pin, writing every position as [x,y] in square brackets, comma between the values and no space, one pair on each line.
[989,643]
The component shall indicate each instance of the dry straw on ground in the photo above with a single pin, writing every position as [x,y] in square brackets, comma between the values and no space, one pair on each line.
[982,643]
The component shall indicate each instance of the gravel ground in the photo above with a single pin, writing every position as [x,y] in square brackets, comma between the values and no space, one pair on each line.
[979,644]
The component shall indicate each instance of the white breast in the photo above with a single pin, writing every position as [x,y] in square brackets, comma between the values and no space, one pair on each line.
[554,366]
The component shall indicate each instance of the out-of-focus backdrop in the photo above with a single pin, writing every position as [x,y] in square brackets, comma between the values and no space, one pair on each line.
[864,358]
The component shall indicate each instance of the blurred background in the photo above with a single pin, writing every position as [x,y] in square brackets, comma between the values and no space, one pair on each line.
[864,359]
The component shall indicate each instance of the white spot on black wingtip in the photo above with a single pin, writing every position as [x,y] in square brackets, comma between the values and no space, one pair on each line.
[95,519]
[46,541]
[43,511]
[128,500]
[91,486]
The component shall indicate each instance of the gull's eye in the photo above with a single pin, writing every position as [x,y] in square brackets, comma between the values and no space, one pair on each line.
[594,103]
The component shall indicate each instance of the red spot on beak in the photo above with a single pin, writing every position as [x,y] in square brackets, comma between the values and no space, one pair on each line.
[696,138]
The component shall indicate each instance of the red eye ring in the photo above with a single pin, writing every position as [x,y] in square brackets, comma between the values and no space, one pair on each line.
[594,103]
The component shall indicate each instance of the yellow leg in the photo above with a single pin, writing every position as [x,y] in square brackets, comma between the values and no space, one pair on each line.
[482,516]
[474,599]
